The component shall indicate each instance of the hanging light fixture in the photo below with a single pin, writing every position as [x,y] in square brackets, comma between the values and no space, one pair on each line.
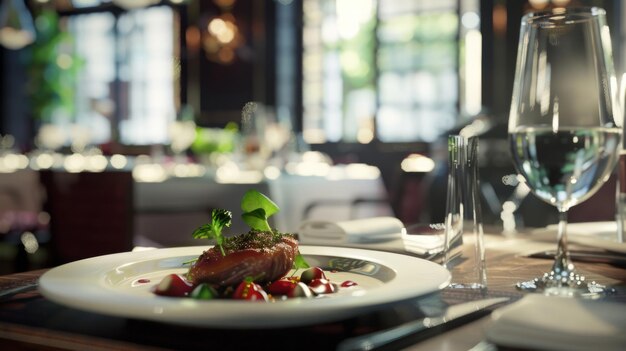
[16,25]
[222,36]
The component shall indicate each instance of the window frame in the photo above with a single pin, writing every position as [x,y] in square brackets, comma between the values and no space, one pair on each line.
[118,86]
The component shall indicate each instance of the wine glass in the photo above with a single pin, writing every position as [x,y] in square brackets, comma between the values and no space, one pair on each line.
[564,131]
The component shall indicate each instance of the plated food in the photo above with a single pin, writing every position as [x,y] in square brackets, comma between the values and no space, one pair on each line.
[250,266]
[342,282]
[122,285]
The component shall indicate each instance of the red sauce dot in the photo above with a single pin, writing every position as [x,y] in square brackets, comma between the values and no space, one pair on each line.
[143,281]
[348,283]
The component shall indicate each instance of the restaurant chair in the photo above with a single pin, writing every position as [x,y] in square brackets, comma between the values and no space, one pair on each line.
[91,214]
[23,224]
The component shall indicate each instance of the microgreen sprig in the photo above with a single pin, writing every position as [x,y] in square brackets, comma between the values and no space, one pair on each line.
[213,230]
[257,208]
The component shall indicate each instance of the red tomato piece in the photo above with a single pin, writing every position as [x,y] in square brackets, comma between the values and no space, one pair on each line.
[247,290]
[282,286]
[173,285]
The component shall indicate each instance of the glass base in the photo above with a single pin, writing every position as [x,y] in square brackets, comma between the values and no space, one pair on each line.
[467,286]
[565,284]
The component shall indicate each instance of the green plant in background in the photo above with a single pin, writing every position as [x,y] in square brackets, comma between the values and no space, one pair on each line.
[209,140]
[52,68]
[357,57]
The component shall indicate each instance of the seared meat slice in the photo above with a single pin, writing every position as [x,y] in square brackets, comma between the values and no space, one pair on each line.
[264,256]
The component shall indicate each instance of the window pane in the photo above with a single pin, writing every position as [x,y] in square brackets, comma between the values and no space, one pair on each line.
[340,32]
[389,69]
[128,74]
[418,84]
[147,61]
[94,43]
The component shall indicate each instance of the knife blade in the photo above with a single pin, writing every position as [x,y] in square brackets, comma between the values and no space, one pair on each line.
[455,315]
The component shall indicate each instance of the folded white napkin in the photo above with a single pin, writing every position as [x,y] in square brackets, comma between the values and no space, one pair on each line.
[368,230]
[423,244]
[560,323]
[379,233]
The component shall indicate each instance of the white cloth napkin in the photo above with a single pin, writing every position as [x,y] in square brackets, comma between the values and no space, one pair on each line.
[366,230]
[378,233]
[423,244]
[560,323]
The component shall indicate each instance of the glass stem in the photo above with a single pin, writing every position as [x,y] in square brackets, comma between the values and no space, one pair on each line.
[562,263]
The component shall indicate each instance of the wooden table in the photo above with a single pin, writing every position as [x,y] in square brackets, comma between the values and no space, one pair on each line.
[507,264]
[29,321]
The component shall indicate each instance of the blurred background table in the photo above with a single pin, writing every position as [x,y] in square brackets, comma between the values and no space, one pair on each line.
[167,212]
[67,215]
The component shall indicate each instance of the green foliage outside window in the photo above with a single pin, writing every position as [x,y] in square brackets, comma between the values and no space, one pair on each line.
[52,68]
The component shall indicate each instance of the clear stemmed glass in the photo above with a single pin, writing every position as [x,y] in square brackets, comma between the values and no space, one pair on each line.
[564,124]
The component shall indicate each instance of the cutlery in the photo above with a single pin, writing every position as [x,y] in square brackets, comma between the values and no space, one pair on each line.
[484,346]
[8,293]
[454,316]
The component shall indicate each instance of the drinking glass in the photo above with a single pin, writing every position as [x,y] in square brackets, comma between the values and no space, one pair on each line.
[564,131]
[463,212]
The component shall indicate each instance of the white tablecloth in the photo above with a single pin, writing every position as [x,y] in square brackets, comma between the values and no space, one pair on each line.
[167,212]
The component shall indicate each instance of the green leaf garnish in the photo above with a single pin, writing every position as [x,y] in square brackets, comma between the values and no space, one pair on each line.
[256,220]
[257,208]
[219,219]
[299,262]
[204,292]
[253,199]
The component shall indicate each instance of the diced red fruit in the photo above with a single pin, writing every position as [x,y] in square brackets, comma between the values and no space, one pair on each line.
[173,285]
[348,283]
[312,273]
[247,290]
[321,286]
[300,290]
[282,286]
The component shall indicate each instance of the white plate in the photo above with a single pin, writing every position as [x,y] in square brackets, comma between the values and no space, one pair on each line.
[111,285]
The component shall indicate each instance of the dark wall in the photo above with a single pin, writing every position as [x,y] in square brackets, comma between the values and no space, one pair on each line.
[14,112]
[223,89]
